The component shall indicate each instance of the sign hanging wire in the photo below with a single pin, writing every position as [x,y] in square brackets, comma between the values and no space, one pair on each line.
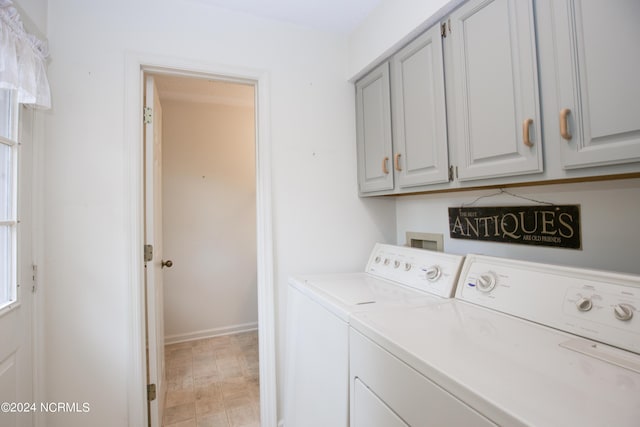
[503,191]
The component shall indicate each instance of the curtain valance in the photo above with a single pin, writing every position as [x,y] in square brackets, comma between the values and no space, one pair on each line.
[22,59]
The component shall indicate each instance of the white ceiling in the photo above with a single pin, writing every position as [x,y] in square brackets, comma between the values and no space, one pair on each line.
[333,15]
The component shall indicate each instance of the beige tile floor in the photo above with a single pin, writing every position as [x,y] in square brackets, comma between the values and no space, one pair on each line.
[213,382]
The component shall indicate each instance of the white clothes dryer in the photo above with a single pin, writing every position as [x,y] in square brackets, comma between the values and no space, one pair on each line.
[522,344]
[319,309]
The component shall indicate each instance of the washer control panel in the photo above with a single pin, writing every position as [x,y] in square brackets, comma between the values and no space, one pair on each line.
[429,271]
[599,305]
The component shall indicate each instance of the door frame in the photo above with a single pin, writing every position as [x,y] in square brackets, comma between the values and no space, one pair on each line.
[136,65]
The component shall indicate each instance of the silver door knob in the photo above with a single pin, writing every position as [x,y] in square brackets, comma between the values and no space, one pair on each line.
[168,263]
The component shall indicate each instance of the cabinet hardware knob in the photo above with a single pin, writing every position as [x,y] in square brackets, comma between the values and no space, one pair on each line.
[385,169]
[525,132]
[396,162]
[168,263]
[564,124]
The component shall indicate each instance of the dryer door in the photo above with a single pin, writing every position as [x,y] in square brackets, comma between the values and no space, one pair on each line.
[370,411]
[412,398]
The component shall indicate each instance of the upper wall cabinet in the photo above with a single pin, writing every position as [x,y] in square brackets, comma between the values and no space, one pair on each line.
[419,112]
[373,122]
[597,63]
[464,101]
[495,101]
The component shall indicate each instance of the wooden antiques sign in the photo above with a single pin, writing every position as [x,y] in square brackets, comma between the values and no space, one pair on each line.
[552,225]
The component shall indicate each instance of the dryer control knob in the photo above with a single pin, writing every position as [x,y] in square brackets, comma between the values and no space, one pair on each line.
[486,282]
[396,264]
[433,273]
[623,312]
[584,304]
[407,266]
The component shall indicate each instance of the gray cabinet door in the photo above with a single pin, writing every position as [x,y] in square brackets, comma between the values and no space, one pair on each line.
[598,60]
[495,121]
[373,121]
[419,112]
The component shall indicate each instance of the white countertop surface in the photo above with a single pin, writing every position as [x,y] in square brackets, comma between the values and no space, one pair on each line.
[511,370]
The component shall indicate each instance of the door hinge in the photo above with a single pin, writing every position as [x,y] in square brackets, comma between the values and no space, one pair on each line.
[148,115]
[151,392]
[453,172]
[444,26]
[34,277]
[148,253]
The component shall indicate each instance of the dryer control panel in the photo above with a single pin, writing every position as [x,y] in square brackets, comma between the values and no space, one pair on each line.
[422,269]
[600,305]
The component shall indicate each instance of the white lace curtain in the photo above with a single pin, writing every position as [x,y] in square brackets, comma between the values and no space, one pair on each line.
[22,59]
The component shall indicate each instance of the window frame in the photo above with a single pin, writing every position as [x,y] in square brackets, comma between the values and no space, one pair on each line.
[12,108]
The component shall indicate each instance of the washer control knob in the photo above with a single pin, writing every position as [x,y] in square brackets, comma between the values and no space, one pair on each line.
[386,261]
[433,273]
[377,259]
[407,266]
[584,304]
[486,282]
[396,264]
[623,312]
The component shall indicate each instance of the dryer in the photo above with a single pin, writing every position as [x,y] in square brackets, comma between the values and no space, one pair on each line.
[318,315]
[522,344]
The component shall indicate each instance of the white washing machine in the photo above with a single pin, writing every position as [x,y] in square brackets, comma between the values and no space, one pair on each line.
[319,309]
[522,344]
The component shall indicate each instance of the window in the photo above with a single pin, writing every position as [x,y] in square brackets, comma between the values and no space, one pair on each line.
[8,196]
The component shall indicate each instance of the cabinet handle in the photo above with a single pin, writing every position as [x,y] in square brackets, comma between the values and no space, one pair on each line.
[525,132]
[396,162]
[564,124]
[385,169]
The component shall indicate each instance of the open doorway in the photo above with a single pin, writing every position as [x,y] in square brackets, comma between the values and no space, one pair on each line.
[209,207]
[209,250]
[138,66]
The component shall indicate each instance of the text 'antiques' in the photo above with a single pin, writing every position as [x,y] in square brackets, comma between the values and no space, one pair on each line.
[557,226]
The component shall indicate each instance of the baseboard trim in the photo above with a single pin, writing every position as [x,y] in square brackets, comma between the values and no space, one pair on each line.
[210,333]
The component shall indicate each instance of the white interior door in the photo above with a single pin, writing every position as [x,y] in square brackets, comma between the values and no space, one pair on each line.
[16,274]
[153,237]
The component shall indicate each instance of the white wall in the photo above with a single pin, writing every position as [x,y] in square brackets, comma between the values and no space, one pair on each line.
[390,25]
[319,222]
[608,210]
[209,219]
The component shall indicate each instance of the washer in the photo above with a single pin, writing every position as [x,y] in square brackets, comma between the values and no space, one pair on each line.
[319,309]
[522,344]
